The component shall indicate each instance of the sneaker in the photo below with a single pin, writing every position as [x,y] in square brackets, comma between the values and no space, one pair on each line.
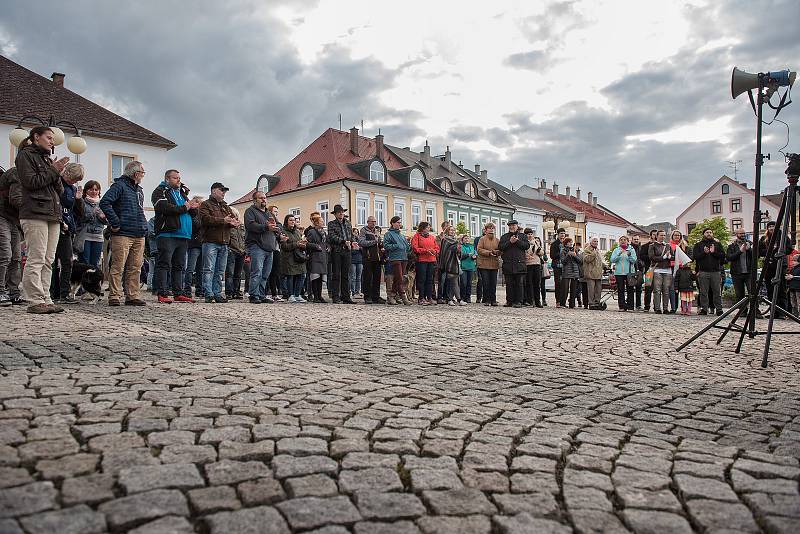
[421,302]
[135,302]
[210,300]
[463,303]
[702,311]
[719,312]
[18,301]
[184,298]
[268,300]
[5,300]
[292,299]
[452,303]
[277,298]
[164,299]
[40,309]
[68,300]
[255,300]
[113,302]
[300,300]
[220,299]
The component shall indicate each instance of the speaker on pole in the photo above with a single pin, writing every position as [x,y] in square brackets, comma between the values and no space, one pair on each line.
[742,81]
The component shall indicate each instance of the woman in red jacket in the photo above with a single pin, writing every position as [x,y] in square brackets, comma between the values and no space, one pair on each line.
[424,246]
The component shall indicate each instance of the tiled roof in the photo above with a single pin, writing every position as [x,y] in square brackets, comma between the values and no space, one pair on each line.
[23,92]
[332,149]
[592,213]
[517,200]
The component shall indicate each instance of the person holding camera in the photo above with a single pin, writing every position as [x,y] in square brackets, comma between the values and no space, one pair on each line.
[294,258]
[624,259]
[593,274]
[570,261]
[533,273]
[555,257]
[318,251]
[370,242]
[217,220]
[424,246]
[261,242]
[708,253]
[513,245]
[340,236]
[740,255]
[661,257]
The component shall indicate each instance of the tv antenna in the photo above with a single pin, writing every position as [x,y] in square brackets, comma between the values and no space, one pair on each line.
[735,166]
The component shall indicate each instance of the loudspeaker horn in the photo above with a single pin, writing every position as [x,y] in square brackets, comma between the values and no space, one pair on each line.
[742,81]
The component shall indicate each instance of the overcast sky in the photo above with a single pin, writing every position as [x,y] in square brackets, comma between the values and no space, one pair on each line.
[627,99]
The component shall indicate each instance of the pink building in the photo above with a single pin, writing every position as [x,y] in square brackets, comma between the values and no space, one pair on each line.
[729,199]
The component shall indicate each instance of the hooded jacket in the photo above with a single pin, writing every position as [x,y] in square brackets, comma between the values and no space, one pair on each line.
[173,217]
[37,191]
[396,246]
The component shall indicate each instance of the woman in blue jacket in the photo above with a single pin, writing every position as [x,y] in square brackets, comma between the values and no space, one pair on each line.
[624,260]
[397,249]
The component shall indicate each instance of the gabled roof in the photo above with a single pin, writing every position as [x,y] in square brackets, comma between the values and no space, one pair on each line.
[515,199]
[332,149]
[742,187]
[23,92]
[591,212]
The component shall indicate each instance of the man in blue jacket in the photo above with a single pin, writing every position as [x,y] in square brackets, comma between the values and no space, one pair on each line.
[123,205]
[173,229]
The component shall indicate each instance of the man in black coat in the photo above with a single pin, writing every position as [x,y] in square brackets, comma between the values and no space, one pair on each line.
[340,236]
[555,259]
[708,253]
[740,255]
[643,257]
[513,245]
[770,267]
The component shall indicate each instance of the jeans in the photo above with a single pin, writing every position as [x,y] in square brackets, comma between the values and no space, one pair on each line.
[340,285]
[215,260]
[708,285]
[171,265]
[441,286]
[260,270]
[295,283]
[662,284]
[425,279]
[194,256]
[741,285]
[489,279]
[466,285]
[561,298]
[372,280]
[624,291]
[62,267]
[276,281]
[91,253]
[233,273]
[355,277]
[10,258]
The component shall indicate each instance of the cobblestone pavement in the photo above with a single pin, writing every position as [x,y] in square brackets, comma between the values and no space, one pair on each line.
[333,419]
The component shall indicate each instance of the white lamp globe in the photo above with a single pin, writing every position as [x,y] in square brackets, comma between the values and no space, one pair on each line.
[17,136]
[564,224]
[76,144]
[58,135]
[548,225]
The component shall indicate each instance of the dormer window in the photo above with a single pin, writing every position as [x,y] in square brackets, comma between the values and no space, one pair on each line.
[469,189]
[446,186]
[376,172]
[306,174]
[492,195]
[416,179]
[726,189]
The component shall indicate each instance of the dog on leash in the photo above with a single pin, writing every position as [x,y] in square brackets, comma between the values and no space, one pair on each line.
[411,283]
[88,277]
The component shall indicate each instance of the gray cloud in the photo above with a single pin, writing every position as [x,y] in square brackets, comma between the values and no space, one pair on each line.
[537,60]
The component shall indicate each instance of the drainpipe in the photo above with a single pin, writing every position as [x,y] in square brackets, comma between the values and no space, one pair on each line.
[349,200]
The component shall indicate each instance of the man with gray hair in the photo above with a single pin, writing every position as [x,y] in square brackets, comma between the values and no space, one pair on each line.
[123,205]
[62,267]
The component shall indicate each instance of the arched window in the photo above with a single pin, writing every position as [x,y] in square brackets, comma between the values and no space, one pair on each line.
[492,195]
[306,175]
[726,188]
[416,179]
[446,186]
[469,189]
[376,173]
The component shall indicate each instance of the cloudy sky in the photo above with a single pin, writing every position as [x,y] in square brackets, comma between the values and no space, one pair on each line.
[628,99]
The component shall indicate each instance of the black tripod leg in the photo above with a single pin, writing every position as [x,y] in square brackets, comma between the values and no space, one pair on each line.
[714,323]
[730,325]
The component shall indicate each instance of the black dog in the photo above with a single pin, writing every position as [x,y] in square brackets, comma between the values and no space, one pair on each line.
[87,277]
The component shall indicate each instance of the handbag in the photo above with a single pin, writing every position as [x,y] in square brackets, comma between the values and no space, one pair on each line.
[648,277]
[634,279]
[546,273]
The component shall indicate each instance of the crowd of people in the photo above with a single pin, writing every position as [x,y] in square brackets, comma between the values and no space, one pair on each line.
[202,248]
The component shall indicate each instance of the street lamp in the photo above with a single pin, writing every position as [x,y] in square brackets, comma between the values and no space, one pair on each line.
[76,143]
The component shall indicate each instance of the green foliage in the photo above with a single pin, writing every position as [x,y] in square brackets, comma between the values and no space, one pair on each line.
[608,253]
[717,224]
[461,228]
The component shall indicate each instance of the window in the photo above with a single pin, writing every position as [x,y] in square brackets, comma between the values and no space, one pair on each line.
[492,195]
[469,189]
[430,216]
[504,225]
[603,243]
[726,189]
[362,201]
[380,211]
[118,163]
[462,217]
[416,214]
[295,212]
[716,206]
[736,205]
[376,172]
[306,175]
[690,227]
[484,220]
[496,222]
[322,208]
[446,186]
[451,218]
[736,224]
[400,209]
[473,226]
[416,179]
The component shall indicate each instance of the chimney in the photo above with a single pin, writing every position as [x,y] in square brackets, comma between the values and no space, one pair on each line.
[447,162]
[58,79]
[477,169]
[485,176]
[594,202]
[425,155]
[379,146]
[555,188]
[543,185]
[567,191]
[578,193]
[354,140]
[589,200]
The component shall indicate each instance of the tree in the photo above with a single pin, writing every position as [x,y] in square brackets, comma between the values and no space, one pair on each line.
[461,228]
[717,224]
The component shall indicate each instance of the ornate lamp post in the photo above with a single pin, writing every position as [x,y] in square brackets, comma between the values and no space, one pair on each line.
[76,143]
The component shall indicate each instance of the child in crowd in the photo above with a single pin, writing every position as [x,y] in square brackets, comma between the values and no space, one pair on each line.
[684,283]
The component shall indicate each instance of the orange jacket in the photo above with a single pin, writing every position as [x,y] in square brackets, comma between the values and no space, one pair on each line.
[422,245]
